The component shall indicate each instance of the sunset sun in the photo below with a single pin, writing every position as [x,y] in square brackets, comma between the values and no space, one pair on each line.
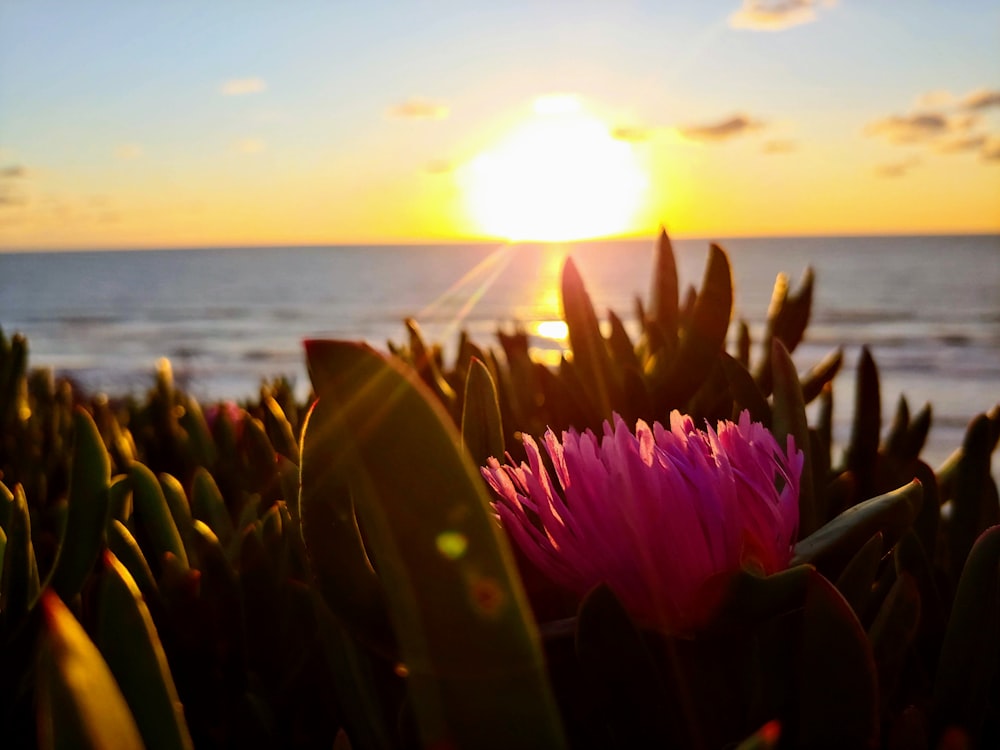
[559,176]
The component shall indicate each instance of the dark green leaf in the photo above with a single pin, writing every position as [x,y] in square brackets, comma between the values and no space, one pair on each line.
[482,429]
[90,475]
[832,546]
[465,633]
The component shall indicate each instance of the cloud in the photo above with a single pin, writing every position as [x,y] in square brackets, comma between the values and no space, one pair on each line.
[419,109]
[10,192]
[991,149]
[775,15]
[962,143]
[779,147]
[250,145]
[128,151]
[723,130]
[898,168]
[919,127]
[936,98]
[242,86]
[981,99]
[631,134]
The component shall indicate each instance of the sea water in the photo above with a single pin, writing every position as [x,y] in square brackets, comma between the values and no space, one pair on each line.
[928,307]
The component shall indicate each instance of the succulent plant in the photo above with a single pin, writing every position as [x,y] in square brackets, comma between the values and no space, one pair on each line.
[278,573]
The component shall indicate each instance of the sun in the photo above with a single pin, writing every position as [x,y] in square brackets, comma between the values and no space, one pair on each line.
[560,176]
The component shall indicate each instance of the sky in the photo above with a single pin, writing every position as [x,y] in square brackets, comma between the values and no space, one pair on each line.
[180,124]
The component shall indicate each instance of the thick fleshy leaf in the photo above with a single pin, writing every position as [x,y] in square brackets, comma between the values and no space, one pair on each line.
[201,445]
[155,528]
[821,375]
[482,429]
[425,364]
[837,692]
[789,418]
[79,703]
[332,536]
[279,429]
[831,546]
[19,579]
[207,505]
[862,453]
[354,678]
[969,652]
[466,636]
[703,334]
[855,581]
[127,551]
[893,632]
[971,508]
[128,641]
[630,690]
[590,352]
[745,392]
[90,475]
[663,298]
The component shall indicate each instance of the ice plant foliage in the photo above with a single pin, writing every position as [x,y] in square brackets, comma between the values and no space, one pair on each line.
[662,516]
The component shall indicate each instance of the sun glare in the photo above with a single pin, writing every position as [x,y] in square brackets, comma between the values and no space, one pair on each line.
[560,176]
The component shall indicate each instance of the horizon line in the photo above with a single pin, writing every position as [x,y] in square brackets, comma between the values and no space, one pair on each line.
[478,241]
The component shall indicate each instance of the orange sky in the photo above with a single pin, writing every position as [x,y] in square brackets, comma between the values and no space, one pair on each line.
[191,126]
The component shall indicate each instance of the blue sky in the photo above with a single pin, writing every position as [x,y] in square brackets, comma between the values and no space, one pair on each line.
[158,123]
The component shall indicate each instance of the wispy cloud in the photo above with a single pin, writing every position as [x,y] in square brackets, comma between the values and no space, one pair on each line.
[722,130]
[419,109]
[632,134]
[242,86]
[897,168]
[981,99]
[128,151]
[991,149]
[11,177]
[775,15]
[955,126]
[909,128]
[962,143]
[779,147]
[934,99]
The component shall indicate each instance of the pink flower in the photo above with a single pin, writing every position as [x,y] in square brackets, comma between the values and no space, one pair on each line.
[663,517]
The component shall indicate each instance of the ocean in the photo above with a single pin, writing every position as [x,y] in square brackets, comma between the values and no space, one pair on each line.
[927,306]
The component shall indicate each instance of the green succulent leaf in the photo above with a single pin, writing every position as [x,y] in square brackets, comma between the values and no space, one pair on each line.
[153,517]
[745,392]
[90,476]
[833,545]
[620,667]
[127,551]
[838,702]
[789,418]
[663,298]
[466,637]
[855,582]
[19,584]
[969,652]
[127,638]
[207,505]
[862,452]
[79,703]
[591,359]
[703,333]
[482,429]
